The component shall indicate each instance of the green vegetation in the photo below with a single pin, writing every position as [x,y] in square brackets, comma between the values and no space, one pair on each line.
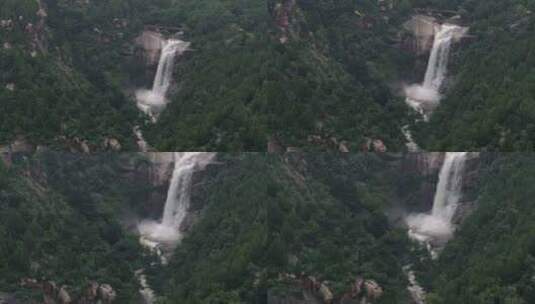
[66,73]
[74,72]
[264,219]
[490,102]
[258,220]
[241,86]
[62,225]
[492,258]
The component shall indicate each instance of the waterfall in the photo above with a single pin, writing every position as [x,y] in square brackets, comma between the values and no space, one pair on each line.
[167,231]
[162,80]
[178,195]
[449,186]
[162,236]
[436,227]
[424,97]
[152,102]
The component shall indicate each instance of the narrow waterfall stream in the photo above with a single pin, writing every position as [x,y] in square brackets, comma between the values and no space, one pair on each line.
[425,97]
[152,102]
[161,237]
[416,291]
[436,228]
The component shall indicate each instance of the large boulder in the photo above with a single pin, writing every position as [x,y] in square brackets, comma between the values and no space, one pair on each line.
[151,43]
[63,296]
[106,293]
[422,29]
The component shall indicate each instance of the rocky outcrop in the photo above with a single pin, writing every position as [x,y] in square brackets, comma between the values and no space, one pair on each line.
[283,13]
[468,202]
[151,43]
[420,33]
[311,290]
[111,144]
[374,145]
[201,181]
[421,171]
[362,291]
[155,173]
[93,293]
[6,298]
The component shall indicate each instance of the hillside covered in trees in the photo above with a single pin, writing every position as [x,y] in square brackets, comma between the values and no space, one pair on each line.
[490,100]
[262,229]
[263,74]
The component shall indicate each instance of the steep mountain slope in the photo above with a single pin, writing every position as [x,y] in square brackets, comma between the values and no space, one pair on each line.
[294,228]
[61,234]
[287,73]
[490,101]
[60,79]
[275,73]
[492,258]
[271,227]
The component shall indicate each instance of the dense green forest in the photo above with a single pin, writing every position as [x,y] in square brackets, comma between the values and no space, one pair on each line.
[265,226]
[312,74]
[243,87]
[63,70]
[239,88]
[264,219]
[59,222]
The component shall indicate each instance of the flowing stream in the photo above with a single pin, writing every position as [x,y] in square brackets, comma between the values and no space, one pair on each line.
[153,102]
[434,229]
[161,237]
[415,290]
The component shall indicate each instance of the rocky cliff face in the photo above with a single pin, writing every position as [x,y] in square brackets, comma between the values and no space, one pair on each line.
[471,177]
[420,32]
[157,172]
[423,168]
[150,44]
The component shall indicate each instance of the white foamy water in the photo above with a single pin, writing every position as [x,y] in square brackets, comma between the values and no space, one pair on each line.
[162,236]
[147,294]
[152,102]
[416,291]
[178,197]
[140,140]
[425,97]
[411,145]
[437,226]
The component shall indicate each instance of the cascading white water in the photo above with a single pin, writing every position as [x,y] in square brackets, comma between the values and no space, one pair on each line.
[424,97]
[416,291]
[162,236]
[437,226]
[449,186]
[152,102]
[177,202]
